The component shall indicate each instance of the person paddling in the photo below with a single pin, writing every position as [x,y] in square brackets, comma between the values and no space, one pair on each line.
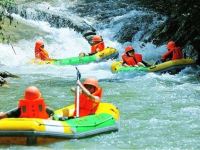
[89,98]
[97,44]
[40,52]
[31,106]
[173,52]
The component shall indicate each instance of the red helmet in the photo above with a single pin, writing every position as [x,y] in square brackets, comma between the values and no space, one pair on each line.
[129,48]
[38,44]
[171,45]
[96,38]
[91,81]
[32,93]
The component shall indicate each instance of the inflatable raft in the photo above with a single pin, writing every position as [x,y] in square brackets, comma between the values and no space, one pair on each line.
[27,131]
[172,66]
[107,53]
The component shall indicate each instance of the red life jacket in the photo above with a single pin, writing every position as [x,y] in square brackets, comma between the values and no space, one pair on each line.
[41,54]
[173,54]
[132,60]
[87,105]
[33,108]
[97,47]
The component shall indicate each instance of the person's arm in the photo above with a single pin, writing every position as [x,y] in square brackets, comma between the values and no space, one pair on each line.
[14,113]
[73,90]
[166,55]
[124,64]
[140,64]
[146,64]
[85,91]
[44,54]
[49,111]
[3,115]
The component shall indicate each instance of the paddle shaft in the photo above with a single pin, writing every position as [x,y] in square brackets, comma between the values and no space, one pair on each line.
[77,100]
[13,49]
[77,93]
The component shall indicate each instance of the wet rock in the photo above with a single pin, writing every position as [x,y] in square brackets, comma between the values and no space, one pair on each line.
[2,81]
[55,20]
[182,25]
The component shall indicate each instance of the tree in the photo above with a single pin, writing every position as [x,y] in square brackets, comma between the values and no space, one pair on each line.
[4,6]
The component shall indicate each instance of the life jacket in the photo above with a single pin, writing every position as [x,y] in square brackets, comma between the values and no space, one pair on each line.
[87,106]
[173,54]
[97,47]
[132,60]
[33,108]
[177,53]
[41,53]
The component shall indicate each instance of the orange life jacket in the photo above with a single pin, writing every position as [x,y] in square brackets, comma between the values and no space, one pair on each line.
[173,54]
[33,108]
[132,60]
[87,106]
[41,53]
[97,47]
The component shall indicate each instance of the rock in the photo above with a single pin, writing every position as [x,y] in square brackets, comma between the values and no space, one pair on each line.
[2,81]
[182,25]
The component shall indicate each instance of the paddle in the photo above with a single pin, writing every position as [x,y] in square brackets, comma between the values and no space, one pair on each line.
[13,49]
[77,92]
[11,45]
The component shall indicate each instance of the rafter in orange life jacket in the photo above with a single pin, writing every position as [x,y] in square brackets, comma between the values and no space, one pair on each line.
[173,54]
[87,105]
[40,52]
[97,47]
[132,60]
[33,108]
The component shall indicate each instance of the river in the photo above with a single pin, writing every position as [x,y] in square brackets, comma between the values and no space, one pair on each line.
[157,111]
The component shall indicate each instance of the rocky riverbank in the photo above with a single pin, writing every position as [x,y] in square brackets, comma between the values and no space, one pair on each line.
[182,23]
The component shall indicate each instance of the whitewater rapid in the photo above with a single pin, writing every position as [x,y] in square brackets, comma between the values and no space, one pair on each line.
[156,111]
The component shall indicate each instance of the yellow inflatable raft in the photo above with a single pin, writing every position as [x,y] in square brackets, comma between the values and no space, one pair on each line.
[172,66]
[27,131]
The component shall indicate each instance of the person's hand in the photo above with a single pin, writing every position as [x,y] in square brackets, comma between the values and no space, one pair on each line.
[140,64]
[98,50]
[124,64]
[78,82]
[2,115]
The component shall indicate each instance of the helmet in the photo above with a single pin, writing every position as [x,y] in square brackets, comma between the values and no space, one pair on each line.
[171,45]
[129,48]
[91,81]
[96,38]
[32,93]
[38,44]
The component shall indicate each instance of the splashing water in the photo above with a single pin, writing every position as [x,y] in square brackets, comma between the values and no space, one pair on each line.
[156,111]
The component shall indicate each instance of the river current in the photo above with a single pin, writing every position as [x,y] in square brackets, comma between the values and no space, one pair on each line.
[157,111]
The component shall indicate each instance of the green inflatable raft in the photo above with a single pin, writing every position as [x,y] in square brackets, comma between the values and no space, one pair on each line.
[172,66]
[107,53]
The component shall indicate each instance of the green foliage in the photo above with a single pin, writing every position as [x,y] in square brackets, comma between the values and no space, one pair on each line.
[6,3]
